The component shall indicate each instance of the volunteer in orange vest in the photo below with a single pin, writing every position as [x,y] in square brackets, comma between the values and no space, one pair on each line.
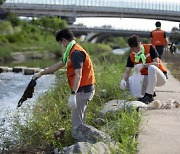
[80,75]
[159,38]
[144,58]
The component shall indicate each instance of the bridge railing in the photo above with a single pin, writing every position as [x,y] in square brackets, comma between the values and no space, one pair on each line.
[141,4]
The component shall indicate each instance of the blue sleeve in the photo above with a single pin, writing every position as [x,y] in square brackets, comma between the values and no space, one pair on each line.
[78,58]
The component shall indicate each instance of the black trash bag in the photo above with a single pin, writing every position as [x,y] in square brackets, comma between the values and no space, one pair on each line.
[172,48]
[28,93]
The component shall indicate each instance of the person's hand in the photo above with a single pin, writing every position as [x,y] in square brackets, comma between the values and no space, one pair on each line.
[36,76]
[138,67]
[72,102]
[123,84]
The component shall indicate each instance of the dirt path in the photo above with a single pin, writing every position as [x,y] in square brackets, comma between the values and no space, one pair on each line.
[160,129]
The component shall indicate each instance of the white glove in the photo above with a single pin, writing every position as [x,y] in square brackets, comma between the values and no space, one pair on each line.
[138,67]
[36,76]
[72,102]
[123,84]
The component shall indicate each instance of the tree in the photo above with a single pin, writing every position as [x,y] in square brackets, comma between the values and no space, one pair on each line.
[15,21]
[50,23]
[175,35]
[2,1]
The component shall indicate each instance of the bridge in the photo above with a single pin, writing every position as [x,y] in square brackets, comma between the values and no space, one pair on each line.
[98,34]
[72,9]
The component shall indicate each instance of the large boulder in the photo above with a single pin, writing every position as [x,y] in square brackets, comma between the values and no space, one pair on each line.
[87,133]
[116,105]
[85,147]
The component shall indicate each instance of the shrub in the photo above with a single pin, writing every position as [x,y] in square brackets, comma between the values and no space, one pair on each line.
[15,21]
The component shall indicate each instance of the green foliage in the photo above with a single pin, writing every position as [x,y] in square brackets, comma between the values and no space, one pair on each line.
[41,63]
[94,49]
[23,35]
[18,37]
[123,127]
[50,23]
[2,1]
[144,40]
[15,21]
[4,52]
[6,28]
[97,51]
[3,40]
[116,42]
[175,37]
[173,63]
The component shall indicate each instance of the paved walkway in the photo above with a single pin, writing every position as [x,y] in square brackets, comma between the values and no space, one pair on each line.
[160,128]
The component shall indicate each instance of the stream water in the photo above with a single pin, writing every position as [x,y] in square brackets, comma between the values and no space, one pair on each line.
[12,86]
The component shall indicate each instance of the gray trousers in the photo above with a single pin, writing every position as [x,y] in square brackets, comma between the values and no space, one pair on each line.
[155,78]
[79,114]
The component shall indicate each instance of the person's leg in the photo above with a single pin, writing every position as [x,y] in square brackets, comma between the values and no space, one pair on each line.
[79,114]
[160,50]
[155,78]
[144,86]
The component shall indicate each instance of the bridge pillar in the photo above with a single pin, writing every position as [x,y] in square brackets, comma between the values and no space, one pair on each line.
[91,37]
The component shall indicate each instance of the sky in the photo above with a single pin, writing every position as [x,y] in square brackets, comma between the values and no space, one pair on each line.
[126,23]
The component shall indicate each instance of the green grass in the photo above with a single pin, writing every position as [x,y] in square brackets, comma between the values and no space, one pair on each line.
[5,53]
[41,63]
[173,63]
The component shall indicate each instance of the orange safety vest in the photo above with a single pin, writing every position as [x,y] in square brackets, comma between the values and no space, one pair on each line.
[158,37]
[144,71]
[88,77]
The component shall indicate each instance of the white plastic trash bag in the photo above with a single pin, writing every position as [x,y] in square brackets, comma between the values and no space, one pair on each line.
[136,84]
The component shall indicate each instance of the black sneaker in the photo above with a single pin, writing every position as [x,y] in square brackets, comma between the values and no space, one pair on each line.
[147,98]
[154,94]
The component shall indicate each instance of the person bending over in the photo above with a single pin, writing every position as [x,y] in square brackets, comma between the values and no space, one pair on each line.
[144,58]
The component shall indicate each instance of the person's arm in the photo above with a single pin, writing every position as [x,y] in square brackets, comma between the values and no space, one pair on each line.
[127,73]
[53,68]
[78,58]
[155,63]
[151,37]
[49,70]
[77,79]
[166,39]
[123,83]
[154,56]
[129,66]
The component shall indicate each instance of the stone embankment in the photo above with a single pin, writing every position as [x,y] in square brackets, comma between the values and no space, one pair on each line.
[24,70]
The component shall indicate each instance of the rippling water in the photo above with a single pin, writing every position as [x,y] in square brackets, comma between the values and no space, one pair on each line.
[12,86]
[120,51]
